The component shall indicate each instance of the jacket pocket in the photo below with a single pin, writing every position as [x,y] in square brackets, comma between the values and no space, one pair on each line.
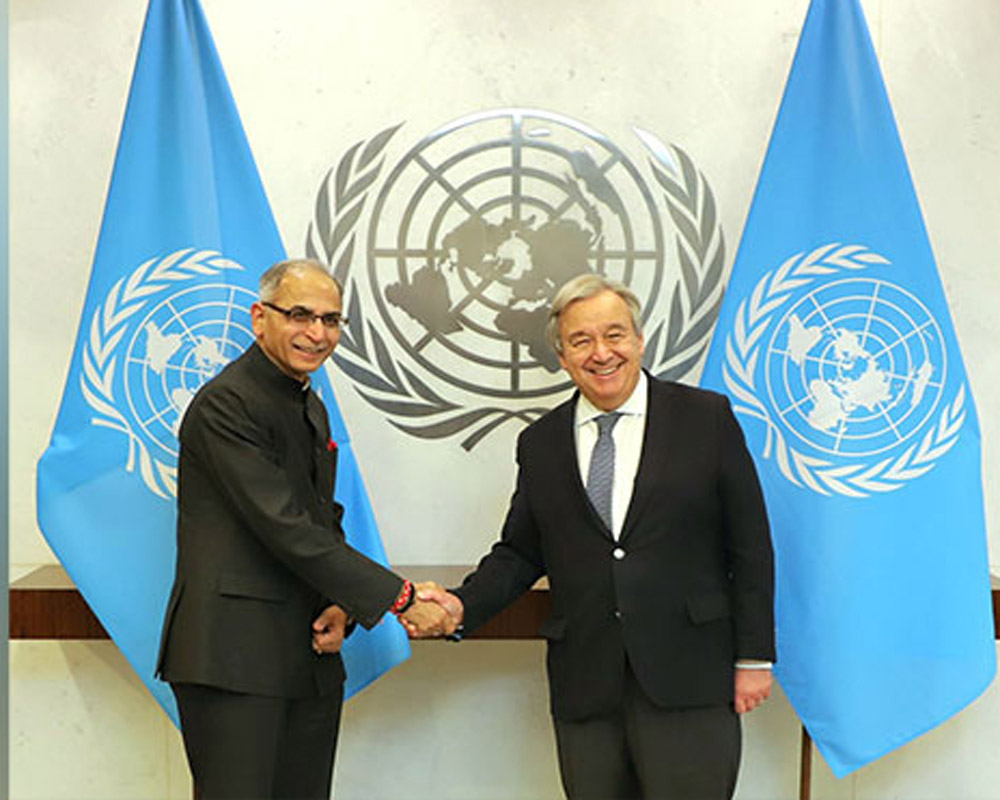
[553,629]
[233,584]
[708,607]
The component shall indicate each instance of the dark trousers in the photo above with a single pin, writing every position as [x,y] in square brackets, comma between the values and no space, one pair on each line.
[246,747]
[644,752]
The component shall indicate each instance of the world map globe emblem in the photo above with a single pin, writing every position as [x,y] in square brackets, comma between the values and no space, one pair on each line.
[182,342]
[479,224]
[855,367]
[468,233]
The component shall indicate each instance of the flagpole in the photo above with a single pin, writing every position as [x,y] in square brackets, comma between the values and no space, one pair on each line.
[4,393]
[805,766]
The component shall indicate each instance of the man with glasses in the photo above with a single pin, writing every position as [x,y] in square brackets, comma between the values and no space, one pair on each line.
[265,583]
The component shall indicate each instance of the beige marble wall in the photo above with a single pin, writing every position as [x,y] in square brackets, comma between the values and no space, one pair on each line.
[311,77]
[456,722]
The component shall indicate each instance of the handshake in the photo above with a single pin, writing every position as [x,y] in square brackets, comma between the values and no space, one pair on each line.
[434,612]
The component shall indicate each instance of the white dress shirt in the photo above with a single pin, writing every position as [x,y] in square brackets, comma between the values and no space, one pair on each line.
[628,435]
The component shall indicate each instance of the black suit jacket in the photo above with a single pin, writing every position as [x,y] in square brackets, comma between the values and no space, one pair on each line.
[686,590]
[260,550]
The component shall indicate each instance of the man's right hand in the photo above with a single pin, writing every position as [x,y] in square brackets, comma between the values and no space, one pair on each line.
[436,612]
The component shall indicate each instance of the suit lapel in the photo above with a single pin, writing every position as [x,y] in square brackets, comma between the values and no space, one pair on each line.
[648,483]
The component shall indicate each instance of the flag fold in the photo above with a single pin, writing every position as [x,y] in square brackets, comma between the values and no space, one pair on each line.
[836,346]
[187,231]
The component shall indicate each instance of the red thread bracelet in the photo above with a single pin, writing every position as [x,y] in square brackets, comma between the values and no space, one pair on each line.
[403,600]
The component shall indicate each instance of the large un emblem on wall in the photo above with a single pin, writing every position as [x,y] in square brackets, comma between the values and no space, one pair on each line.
[449,275]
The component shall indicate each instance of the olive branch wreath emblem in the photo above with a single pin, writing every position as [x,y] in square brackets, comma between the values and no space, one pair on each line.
[754,316]
[108,326]
[673,349]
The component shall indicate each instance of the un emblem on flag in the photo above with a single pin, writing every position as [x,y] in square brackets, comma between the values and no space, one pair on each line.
[847,372]
[468,236]
[160,334]
[855,367]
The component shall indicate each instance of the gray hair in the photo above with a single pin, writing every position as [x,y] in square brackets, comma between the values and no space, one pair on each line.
[270,281]
[583,287]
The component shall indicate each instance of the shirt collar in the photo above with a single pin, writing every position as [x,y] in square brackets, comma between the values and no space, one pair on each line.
[635,405]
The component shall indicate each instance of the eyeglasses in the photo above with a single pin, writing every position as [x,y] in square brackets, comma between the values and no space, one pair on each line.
[303,317]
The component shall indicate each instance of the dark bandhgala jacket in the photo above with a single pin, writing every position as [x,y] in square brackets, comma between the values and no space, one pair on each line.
[260,550]
[684,593]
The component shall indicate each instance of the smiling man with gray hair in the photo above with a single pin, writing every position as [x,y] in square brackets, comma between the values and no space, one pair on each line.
[639,501]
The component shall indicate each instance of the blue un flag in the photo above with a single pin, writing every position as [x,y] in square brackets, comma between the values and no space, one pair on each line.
[187,231]
[838,351]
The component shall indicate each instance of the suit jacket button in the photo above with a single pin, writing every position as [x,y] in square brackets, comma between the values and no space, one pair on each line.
[618,553]
[618,614]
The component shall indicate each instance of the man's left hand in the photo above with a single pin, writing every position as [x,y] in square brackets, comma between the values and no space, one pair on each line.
[328,630]
[753,687]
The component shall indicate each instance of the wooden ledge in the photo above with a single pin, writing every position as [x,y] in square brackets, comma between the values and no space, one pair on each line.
[44,604]
[995,586]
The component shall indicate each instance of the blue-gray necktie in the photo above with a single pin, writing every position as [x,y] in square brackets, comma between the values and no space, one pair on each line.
[601,476]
